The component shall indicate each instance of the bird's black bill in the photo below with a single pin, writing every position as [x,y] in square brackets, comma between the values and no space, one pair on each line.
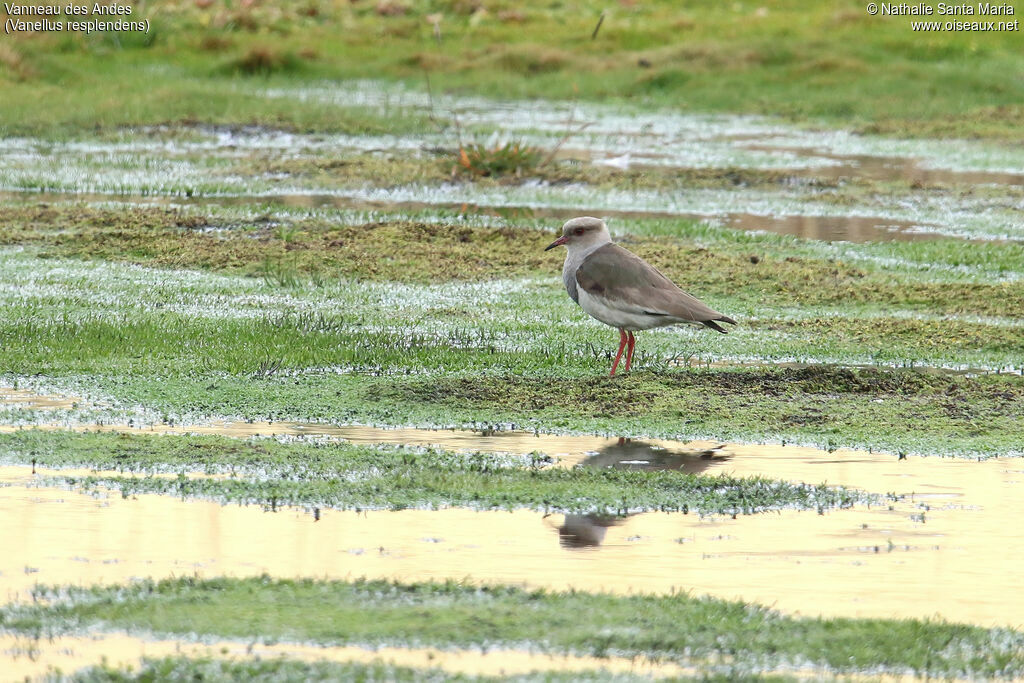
[557,243]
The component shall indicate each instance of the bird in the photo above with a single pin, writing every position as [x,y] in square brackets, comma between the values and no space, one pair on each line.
[620,289]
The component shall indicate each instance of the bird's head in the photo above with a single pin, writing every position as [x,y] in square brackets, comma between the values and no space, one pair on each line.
[584,231]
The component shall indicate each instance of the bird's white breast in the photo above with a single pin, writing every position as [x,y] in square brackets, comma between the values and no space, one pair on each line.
[620,316]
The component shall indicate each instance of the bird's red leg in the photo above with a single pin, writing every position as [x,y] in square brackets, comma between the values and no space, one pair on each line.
[629,351]
[622,345]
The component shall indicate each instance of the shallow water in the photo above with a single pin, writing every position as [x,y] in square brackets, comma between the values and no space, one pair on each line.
[565,450]
[889,168]
[561,450]
[185,163]
[807,162]
[943,548]
[947,549]
[824,228]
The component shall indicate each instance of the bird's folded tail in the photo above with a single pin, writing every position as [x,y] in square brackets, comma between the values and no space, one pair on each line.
[715,326]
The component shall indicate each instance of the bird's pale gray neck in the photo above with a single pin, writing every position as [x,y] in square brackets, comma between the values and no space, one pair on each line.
[574,257]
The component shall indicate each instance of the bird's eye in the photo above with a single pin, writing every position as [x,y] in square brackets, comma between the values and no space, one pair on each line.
[578,231]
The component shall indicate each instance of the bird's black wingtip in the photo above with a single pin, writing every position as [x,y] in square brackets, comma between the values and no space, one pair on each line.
[713,324]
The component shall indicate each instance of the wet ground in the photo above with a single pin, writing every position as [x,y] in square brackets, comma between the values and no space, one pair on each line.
[24,658]
[945,525]
[944,545]
[949,529]
[824,228]
[914,188]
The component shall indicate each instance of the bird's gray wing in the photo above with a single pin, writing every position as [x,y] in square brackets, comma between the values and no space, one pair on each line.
[625,281]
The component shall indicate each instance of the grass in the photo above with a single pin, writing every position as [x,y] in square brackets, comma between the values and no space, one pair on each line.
[400,172]
[193,345]
[675,627]
[422,252]
[175,238]
[515,158]
[345,476]
[284,670]
[888,410]
[262,671]
[876,73]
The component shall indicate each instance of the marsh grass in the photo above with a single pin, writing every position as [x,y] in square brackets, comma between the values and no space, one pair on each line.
[277,670]
[280,272]
[205,313]
[675,627]
[287,670]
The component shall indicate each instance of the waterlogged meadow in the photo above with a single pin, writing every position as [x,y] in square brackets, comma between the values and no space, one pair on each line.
[588,159]
[291,333]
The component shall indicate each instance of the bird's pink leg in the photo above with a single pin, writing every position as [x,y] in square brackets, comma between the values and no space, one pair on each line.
[622,345]
[629,351]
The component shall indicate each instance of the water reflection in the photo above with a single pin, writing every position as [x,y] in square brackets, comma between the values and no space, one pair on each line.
[897,559]
[642,455]
[590,531]
[948,528]
[887,168]
[585,531]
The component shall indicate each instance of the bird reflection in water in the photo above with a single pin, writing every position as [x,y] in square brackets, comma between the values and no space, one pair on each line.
[588,531]
[585,531]
[640,455]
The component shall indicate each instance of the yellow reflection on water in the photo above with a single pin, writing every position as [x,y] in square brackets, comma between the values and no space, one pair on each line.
[959,561]
[951,549]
